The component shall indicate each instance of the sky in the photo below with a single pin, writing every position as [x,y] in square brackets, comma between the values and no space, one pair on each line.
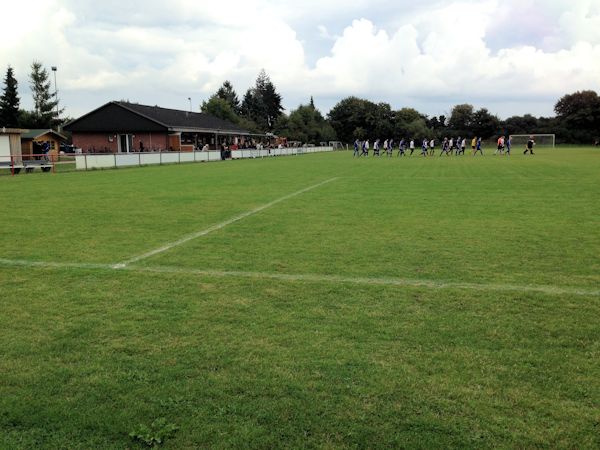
[511,56]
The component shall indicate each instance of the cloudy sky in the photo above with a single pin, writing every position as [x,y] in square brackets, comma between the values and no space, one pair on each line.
[512,56]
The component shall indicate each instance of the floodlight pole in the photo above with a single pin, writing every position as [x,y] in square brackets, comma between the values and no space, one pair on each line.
[54,69]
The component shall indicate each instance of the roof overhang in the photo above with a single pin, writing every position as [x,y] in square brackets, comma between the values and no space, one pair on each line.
[209,131]
[5,130]
[33,137]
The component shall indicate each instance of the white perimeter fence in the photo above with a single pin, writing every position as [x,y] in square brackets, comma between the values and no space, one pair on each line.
[88,161]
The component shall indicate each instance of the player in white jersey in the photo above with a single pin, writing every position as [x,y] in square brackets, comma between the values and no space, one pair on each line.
[424,146]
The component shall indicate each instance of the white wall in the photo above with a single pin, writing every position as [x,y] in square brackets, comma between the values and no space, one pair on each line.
[4,148]
[103,161]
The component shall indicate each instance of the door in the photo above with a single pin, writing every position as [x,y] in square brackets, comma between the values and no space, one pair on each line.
[175,142]
[125,143]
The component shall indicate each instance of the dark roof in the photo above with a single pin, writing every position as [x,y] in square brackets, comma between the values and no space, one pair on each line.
[34,134]
[174,118]
[123,116]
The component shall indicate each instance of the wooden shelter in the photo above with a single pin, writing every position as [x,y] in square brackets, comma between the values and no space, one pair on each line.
[33,140]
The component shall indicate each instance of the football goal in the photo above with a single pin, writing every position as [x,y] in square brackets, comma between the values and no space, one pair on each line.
[541,140]
[337,145]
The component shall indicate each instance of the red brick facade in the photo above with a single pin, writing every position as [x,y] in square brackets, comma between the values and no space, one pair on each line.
[109,142]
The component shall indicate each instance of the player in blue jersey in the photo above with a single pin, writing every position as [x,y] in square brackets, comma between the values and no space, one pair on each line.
[478,147]
[402,148]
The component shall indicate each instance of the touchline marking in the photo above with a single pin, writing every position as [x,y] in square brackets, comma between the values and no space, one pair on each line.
[217,226]
[53,265]
[399,282]
[315,278]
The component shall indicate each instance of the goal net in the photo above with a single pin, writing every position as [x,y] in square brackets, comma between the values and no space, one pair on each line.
[337,145]
[541,140]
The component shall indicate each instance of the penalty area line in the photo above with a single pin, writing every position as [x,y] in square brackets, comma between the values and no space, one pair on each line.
[315,278]
[217,226]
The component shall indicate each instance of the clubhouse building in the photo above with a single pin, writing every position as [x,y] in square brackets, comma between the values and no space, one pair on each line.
[122,127]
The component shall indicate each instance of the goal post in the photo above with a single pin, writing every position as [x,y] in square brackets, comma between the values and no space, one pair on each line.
[541,140]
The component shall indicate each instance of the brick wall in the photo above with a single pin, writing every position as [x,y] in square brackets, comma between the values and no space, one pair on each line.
[151,141]
[101,142]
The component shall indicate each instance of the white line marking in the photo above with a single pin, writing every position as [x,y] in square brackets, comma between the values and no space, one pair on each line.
[217,226]
[316,278]
[53,265]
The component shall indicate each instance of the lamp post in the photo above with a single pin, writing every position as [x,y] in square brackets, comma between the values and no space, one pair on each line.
[190,99]
[54,69]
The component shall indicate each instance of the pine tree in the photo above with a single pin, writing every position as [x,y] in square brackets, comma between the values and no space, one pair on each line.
[270,98]
[45,103]
[253,109]
[262,103]
[9,101]
[227,93]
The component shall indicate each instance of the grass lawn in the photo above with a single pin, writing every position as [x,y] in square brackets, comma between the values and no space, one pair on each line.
[373,303]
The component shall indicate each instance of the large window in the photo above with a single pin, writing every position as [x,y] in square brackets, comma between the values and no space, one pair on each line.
[125,143]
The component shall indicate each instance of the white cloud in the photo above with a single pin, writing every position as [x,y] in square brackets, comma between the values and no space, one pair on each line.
[518,55]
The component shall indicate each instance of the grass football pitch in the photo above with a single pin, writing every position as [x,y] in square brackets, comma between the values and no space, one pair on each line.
[316,301]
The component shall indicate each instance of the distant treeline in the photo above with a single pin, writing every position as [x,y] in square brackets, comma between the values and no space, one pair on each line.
[577,119]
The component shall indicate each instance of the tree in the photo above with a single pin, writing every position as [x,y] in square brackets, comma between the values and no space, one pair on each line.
[270,98]
[409,123]
[461,120]
[27,119]
[520,124]
[354,117]
[381,121]
[219,107]
[44,105]
[227,93]
[437,126]
[253,108]
[262,103]
[580,113]
[306,124]
[9,101]
[483,124]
